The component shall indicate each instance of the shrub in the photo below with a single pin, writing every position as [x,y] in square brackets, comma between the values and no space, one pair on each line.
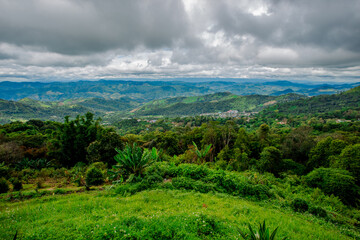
[288,165]
[17,184]
[59,191]
[4,170]
[129,189]
[299,205]
[334,181]
[99,165]
[318,211]
[4,186]
[39,185]
[94,177]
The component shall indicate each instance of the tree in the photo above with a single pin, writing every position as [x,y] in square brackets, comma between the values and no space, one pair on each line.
[103,149]
[242,141]
[349,159]
[334,181]
[11,153]
[297,144]
[320,155]
[270,160]
[74,137]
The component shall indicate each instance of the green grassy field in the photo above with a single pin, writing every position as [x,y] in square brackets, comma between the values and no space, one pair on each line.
[155,214]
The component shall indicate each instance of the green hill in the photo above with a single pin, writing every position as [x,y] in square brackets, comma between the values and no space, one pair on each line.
[212,103]
[322,104]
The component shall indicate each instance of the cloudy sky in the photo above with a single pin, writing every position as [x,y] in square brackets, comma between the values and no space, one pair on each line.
[112,39]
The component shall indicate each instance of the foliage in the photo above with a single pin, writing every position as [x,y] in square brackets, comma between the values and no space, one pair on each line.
[201,154]
[4,170]
[33,163]
[297,144]
[270,160]
[133,160]
[11,152]
[299,205]
[94,177]
[4,185]
[74,137]
[17,184]
[262,234]
[349,159]
[204,179]
[290,166]
[318,211]
[334,181]
[321,154]
[103,149]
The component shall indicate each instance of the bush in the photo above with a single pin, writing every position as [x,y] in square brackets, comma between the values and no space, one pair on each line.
[4,186]
[318,211]
[4,170]
[129,189]
[290,166]
[334,181]
[299,205]
[17,184]
[94,177]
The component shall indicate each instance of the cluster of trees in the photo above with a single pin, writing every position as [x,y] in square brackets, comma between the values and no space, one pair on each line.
[222,144]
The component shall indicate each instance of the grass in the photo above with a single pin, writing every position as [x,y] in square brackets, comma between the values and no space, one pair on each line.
[155,214]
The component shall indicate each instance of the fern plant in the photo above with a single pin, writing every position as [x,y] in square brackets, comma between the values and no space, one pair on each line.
[262,234]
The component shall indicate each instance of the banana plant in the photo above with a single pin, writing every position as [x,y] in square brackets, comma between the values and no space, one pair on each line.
[201,154]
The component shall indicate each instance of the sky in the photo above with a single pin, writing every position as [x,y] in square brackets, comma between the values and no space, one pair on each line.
[114,39]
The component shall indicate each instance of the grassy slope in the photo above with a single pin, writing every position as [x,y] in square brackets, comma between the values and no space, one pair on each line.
[157,214]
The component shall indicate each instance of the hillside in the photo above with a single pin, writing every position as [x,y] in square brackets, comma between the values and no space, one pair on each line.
[319,104]
[212,103]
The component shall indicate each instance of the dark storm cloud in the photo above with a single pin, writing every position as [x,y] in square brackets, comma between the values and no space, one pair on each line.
[330,23]
[230,38]
[78,27]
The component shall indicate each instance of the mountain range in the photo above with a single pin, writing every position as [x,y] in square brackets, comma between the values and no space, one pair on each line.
[122,99]
[150,90]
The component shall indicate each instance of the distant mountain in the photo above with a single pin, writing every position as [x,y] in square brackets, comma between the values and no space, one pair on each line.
[144,91]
